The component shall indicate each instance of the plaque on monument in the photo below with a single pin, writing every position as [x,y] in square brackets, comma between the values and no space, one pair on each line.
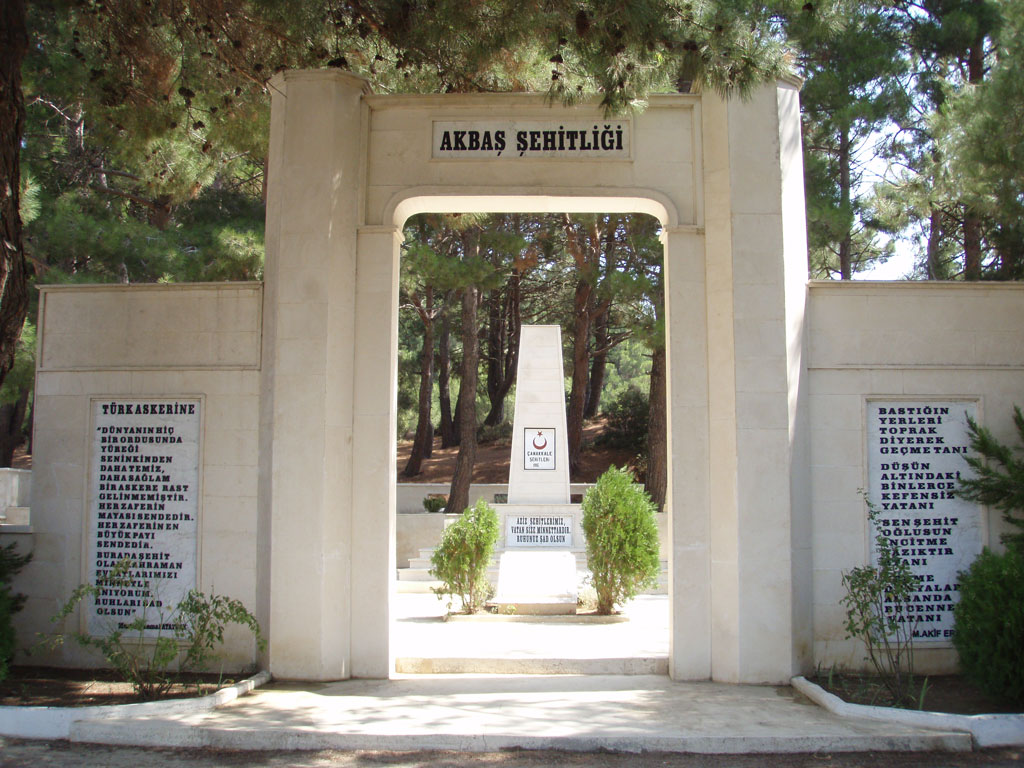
[143,508]
[916,455]
[539,531]
[539,448]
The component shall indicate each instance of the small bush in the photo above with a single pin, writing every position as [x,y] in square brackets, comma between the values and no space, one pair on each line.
[10,603]
[622,539]
[499,432]
[989,618]
[435,503]
[148,662]
[877,602]
[627,421]
[464,554]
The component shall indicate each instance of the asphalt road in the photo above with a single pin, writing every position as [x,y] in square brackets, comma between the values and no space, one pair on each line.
[18,753]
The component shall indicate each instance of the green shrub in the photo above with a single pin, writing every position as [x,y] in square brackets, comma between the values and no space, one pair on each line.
[464,554]
[10,603]
[622,538]
[989,634]
[435,503]
[877,605]
[998,478]
[627,421]
[197,630]
[499,432]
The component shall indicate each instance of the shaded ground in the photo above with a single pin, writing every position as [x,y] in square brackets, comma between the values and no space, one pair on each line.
[22,459]
[55,687]
[16,753]
[942,693]
[492,460]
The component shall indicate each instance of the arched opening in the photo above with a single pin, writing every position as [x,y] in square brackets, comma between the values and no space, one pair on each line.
[621,247]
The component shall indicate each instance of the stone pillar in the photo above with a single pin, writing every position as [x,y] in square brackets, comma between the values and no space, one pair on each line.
[754,309]
[307,405]
[373,443]
[687,392]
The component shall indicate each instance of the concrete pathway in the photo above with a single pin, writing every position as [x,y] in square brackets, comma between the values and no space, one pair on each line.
[425,643]
[474,712]
[488,713]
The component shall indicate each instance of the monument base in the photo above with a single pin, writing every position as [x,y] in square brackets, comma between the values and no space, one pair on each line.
[536,583]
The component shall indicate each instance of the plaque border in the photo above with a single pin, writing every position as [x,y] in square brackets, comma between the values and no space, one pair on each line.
[983,512]
[554,462]
[83,569]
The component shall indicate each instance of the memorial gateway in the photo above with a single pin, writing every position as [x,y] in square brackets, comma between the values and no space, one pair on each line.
[241,437]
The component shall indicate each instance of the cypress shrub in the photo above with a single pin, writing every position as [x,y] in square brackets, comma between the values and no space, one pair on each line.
[622,538]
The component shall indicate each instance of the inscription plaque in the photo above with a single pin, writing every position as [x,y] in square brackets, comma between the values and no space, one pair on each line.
[539,531]
[539,448]
[916,455]
[143,507]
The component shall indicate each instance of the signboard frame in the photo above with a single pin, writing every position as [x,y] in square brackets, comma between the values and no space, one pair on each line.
[919,450]
[550,434]
[89,519]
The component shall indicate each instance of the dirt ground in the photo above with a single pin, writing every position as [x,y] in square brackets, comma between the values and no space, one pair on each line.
[942,693]
[16,753]
[492,460]
[55,687]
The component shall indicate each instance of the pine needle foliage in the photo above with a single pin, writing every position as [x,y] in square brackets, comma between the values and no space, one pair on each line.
[998,479]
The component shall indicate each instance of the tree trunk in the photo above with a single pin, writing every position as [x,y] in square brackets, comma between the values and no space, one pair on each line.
[972,221]
[424,433]
[580,361]
[934,238]
[458,495]
[598,366]
[845,245]
[13,267]
[505,320]
[972,245]
[447,423]
[12,422]
[657,433]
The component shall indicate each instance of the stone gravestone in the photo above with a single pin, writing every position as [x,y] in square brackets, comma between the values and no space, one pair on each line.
[916,453]
[542,532]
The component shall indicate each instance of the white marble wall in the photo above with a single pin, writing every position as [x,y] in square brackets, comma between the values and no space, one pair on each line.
[98,341]
[895,341]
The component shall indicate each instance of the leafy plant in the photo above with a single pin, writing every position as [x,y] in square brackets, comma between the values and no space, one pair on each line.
[877,605]
[435,503]
[998,479]
[464,554]
[187,639]
[622,538]
[627,416]
[11,562]
[492,434]
[989,625]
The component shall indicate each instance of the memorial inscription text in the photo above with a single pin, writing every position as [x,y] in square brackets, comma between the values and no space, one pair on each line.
[915,458]
[143,508]
[539,531]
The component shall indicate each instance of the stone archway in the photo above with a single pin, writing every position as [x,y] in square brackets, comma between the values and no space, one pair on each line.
[346,170]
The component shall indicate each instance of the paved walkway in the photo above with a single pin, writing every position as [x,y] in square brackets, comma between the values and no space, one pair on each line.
[425,643]
[492,712]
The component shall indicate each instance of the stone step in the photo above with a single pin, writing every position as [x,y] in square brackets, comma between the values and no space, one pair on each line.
[15,516]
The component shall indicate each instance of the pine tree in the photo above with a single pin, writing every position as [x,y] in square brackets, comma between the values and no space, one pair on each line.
[998,479]
[852,88]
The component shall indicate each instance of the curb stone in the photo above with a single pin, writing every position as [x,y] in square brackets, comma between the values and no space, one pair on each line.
[56,722]
[985,730]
